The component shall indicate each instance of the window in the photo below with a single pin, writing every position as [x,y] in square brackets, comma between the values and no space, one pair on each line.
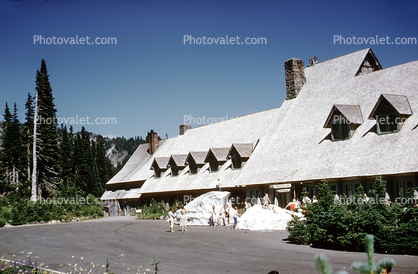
[343,120]
[340,131]
[387,123]
[349,190]
[213,164]
[192,167]
[157,172]
[390,112]
[400,189]
[236,160]
[174,171]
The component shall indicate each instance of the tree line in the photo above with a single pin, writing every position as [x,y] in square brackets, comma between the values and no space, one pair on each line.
[65,163]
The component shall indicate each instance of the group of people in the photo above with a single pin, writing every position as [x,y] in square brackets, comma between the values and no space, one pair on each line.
[182,219]
[223,218]
[215,219]
[294,205]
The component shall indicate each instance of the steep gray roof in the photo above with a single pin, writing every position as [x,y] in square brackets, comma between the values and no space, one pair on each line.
[298,149]
[160,162]
[220,154]
[178,160]
[197,156]
[244,150]
[399,102]
[351,114]
[289,143]
[135,161]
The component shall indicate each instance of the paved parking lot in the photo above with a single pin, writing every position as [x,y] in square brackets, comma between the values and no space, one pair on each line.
[200,250]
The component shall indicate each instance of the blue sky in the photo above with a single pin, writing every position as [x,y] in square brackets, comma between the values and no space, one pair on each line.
[150,79]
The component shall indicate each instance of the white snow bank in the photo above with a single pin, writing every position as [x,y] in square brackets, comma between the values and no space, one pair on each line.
[258,218]
[199,210]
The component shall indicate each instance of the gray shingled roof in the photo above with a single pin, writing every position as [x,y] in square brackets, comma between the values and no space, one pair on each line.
[291,141]
[244,150]
[399,102]
[160,162]
[178,160]
[351,114]
[220,154]
[198,157]
[298,149]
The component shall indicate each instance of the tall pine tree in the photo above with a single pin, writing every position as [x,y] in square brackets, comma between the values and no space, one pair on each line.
[48,158]
[13,151]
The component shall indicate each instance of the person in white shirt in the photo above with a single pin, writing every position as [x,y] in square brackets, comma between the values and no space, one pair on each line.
[171,220]
[266,201]
[234,214]
[214,216]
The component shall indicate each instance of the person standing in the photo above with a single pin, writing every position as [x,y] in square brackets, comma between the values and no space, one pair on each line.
[183,219]
[234,214]
[171,220]
[214,216]
[247,205]
[266,201]
[227,214]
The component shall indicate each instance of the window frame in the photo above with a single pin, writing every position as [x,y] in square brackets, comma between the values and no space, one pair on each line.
[342,129]
[387,117]
[193,167]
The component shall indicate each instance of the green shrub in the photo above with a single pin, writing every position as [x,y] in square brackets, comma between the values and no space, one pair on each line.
[298,231]
[330,224]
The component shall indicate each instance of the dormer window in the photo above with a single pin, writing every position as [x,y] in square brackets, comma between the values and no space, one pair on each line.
[369,64]
[216,157]
[213,165]
[343,121]
[239,154]
[390,113]
[236,160]
[340,131]
[174,170]
[192,167]
[157,173]
[159,165]
[387,123]
[195,160]
[177,163]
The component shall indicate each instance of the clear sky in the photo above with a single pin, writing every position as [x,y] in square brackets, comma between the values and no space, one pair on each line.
[151,79]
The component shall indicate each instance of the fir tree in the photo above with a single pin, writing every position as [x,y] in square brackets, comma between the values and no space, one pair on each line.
[67,187]
[12,152]
[48,146]
[103,162]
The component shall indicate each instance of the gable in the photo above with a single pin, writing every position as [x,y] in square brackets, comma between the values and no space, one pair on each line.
[369,64]
[351,114]
[160,163]
[399,103]
[220,154]
[243,150]
[178,160]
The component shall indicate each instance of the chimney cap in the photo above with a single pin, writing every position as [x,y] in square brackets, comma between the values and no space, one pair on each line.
[297,59]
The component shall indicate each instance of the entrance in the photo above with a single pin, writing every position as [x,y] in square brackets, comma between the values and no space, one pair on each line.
[284,198]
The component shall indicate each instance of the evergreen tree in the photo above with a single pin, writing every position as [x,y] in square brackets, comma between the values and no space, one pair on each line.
[48,147]
[103,163]
[12,152]
[67,187]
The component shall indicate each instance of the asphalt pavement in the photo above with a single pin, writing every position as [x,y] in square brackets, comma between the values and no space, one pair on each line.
[202,249]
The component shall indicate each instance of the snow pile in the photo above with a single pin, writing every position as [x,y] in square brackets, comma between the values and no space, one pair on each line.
[199,210]
[258,218]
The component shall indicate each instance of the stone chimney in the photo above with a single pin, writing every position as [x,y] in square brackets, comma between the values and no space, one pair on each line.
[152,141]
[184,128]
[295,77]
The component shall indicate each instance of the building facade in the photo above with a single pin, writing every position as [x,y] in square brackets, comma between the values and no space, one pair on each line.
[346,120]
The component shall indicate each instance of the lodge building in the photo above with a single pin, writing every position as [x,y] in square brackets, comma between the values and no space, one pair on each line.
[346,120]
